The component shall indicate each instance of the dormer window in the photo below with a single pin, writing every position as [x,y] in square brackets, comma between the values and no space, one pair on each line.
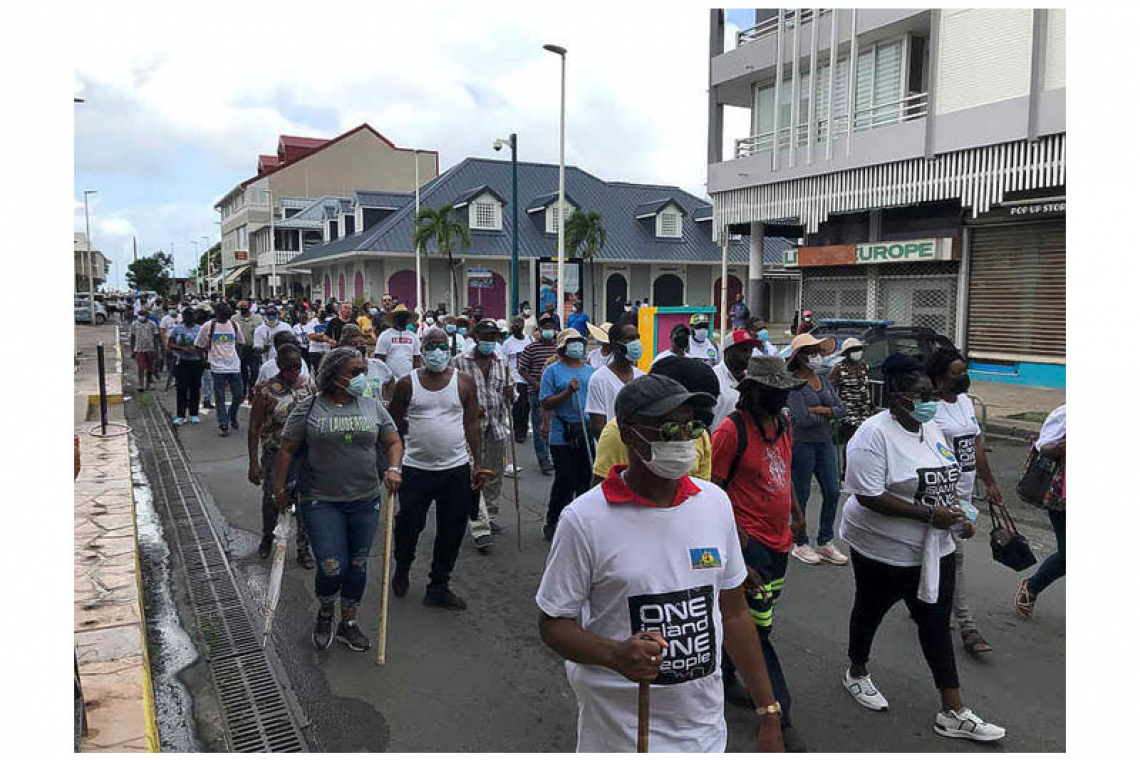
[552,216]
[669,223]
[486,213]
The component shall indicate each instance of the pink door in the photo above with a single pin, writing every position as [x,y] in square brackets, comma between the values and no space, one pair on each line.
[493,299]
[402,285]
[340,295]
[328,289]
[358,286]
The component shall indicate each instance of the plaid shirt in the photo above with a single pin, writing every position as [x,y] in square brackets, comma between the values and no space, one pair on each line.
[490,388]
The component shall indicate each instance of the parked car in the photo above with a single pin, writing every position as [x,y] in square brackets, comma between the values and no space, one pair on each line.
[83,311]
[882,337]
[113,304]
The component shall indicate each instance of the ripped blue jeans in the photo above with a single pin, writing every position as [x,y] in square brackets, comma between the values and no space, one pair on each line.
[341,535]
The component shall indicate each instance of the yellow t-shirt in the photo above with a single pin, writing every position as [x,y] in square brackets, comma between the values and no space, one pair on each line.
[365,324]
[612,451]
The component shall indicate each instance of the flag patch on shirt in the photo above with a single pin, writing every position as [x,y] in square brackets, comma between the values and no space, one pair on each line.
[704,558]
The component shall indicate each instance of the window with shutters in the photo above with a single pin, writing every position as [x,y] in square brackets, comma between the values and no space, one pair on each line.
[669,223]
[552,216]
[485,214]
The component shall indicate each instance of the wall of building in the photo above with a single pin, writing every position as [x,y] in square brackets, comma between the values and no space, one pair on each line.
[984,56]
[1055,49]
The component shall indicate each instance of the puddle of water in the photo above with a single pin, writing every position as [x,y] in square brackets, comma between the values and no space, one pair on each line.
[170,647]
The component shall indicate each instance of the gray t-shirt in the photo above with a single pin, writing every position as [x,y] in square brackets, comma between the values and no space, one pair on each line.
[343,443]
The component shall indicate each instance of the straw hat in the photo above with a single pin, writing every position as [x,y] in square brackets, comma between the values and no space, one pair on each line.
[826,346]
[851,344]
[567,335]
[600,333]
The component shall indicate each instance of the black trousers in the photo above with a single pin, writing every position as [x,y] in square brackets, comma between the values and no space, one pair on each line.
[520,411]
[772,567]
[571,479]
[188,385]
[878,587]
[451,492]
[269,502]
[250,366]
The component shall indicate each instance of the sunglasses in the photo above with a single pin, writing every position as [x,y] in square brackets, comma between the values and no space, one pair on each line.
[677,431]
[434,346]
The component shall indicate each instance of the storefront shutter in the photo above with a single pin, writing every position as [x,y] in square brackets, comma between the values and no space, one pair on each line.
[1017,292]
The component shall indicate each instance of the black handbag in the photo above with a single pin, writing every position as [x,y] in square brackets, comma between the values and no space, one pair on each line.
[1007,544]
[1036,479]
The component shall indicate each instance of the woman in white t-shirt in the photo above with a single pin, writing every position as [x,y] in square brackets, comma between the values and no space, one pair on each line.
[903,478]
[955,418]
[625,347]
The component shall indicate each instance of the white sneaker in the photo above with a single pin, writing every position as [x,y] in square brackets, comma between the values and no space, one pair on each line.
[864,692]
[828,553]
[806,554]
[965,724]
[511,471]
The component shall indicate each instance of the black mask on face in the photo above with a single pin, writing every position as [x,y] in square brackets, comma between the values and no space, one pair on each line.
[960,384]
[771,401]
[681,340]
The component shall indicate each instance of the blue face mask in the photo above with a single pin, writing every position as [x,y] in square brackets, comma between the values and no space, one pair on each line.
[575,350]
[547,334]
[411,328]
[924,411]
[487,347]
[763,335]
[358,385]
[436,359]
[462,331]
[450,328]
[633,350]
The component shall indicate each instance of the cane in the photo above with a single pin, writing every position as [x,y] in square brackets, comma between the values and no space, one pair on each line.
[643,716]
[585,430]
[515,480]
[382,643]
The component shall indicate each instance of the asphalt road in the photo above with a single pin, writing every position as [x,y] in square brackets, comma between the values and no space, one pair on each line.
[482,681]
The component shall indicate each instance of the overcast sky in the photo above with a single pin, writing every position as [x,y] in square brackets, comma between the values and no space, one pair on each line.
[177,108]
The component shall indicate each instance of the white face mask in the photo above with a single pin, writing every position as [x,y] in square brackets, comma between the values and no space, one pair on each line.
[701,334]
[815,362]
[855,356]
[671,460]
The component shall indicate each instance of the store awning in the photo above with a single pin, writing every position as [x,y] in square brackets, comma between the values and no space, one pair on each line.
[236,274]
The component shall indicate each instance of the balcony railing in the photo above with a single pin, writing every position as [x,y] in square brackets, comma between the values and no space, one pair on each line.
[265,259]
[881,115]
[767,27]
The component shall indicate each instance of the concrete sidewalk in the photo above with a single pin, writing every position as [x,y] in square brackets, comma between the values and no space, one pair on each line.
[110,624]
[1016,411]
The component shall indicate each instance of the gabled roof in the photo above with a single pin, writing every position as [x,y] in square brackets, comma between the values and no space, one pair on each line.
[654,207]
[265,163]
[627,239]
[377,199]
[469,195]
[541,202]
[703,213]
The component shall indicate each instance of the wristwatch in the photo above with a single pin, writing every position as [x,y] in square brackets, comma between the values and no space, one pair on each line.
[773,708]
[395,470]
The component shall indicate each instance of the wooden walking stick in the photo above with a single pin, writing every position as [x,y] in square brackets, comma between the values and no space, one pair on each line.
[382,643]
[515,480]
[643,716]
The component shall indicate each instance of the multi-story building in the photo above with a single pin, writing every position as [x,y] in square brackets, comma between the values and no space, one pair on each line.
[919,154]
[98,264]
[259,238]
[659,246]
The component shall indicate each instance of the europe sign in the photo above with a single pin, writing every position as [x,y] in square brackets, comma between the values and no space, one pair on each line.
[891,252]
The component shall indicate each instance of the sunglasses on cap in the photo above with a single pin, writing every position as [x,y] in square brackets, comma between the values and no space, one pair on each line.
[676,431]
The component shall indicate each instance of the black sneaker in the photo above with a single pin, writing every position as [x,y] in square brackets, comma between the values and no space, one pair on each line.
[736,694]
[224,432]
[265,548]
[305,559]
[484,544]
[496,529]
[323,632]
[235,425]
[350,635]
[207,404]
[793,742]
[546,467]
[445,599]
[400,582]
[548,531]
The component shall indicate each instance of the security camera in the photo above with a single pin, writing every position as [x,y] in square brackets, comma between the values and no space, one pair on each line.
[498,145]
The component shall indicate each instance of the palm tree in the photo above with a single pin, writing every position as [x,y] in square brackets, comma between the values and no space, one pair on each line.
[440,225]
[584,230]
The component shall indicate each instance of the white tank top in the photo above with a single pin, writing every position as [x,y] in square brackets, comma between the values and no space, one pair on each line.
[436,439]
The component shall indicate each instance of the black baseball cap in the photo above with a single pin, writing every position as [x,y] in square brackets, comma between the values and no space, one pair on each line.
[653,396]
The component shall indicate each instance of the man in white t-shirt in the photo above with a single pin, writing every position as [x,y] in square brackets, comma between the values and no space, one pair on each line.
[701,345]
[263,335]
[644,584]
[625,349]
[730,372]
[399,347]
[221,337]
[512,347]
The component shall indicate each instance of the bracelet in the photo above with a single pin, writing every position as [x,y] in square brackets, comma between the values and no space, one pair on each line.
[772,709]
[395,470]
[929,514]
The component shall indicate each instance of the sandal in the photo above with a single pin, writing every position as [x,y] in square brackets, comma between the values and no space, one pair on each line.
[975,643]
[1024,600]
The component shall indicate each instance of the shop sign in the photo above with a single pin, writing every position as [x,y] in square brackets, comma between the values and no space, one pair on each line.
[892,252]
[480,278]
[241,255]
[883,253]
[1033,210]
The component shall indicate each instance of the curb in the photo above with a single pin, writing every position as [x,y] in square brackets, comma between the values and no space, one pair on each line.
[1010,429]
[150,718]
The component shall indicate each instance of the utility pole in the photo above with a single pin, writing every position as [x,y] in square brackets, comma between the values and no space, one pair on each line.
[90,271]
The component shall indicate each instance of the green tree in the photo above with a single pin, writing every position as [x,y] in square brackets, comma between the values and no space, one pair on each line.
[151,273]
[211,260]
[584,231]
[440,225]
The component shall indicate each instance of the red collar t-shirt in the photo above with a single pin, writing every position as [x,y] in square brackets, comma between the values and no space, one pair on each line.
[617,491]
[761,489]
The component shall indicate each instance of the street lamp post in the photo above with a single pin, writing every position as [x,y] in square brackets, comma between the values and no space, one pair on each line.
[209,268]
[197,265]
[513,141]
[415,221]
[90,273]
[561,53]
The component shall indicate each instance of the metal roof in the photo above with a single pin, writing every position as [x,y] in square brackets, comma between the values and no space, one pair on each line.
[627,239]
[653,207]
[470,195]
[541,202]
[379,199]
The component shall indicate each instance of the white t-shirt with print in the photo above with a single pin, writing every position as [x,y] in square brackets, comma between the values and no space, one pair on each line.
[315,326]
[706,351]
[399,347]
[512,347]
[621,568]
[222,345]
[884,457]
[603,389]
[960,428]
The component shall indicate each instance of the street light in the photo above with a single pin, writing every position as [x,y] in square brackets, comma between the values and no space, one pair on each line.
[90,273]
[513,141]
[415,221]
[561,53]
[197,265]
